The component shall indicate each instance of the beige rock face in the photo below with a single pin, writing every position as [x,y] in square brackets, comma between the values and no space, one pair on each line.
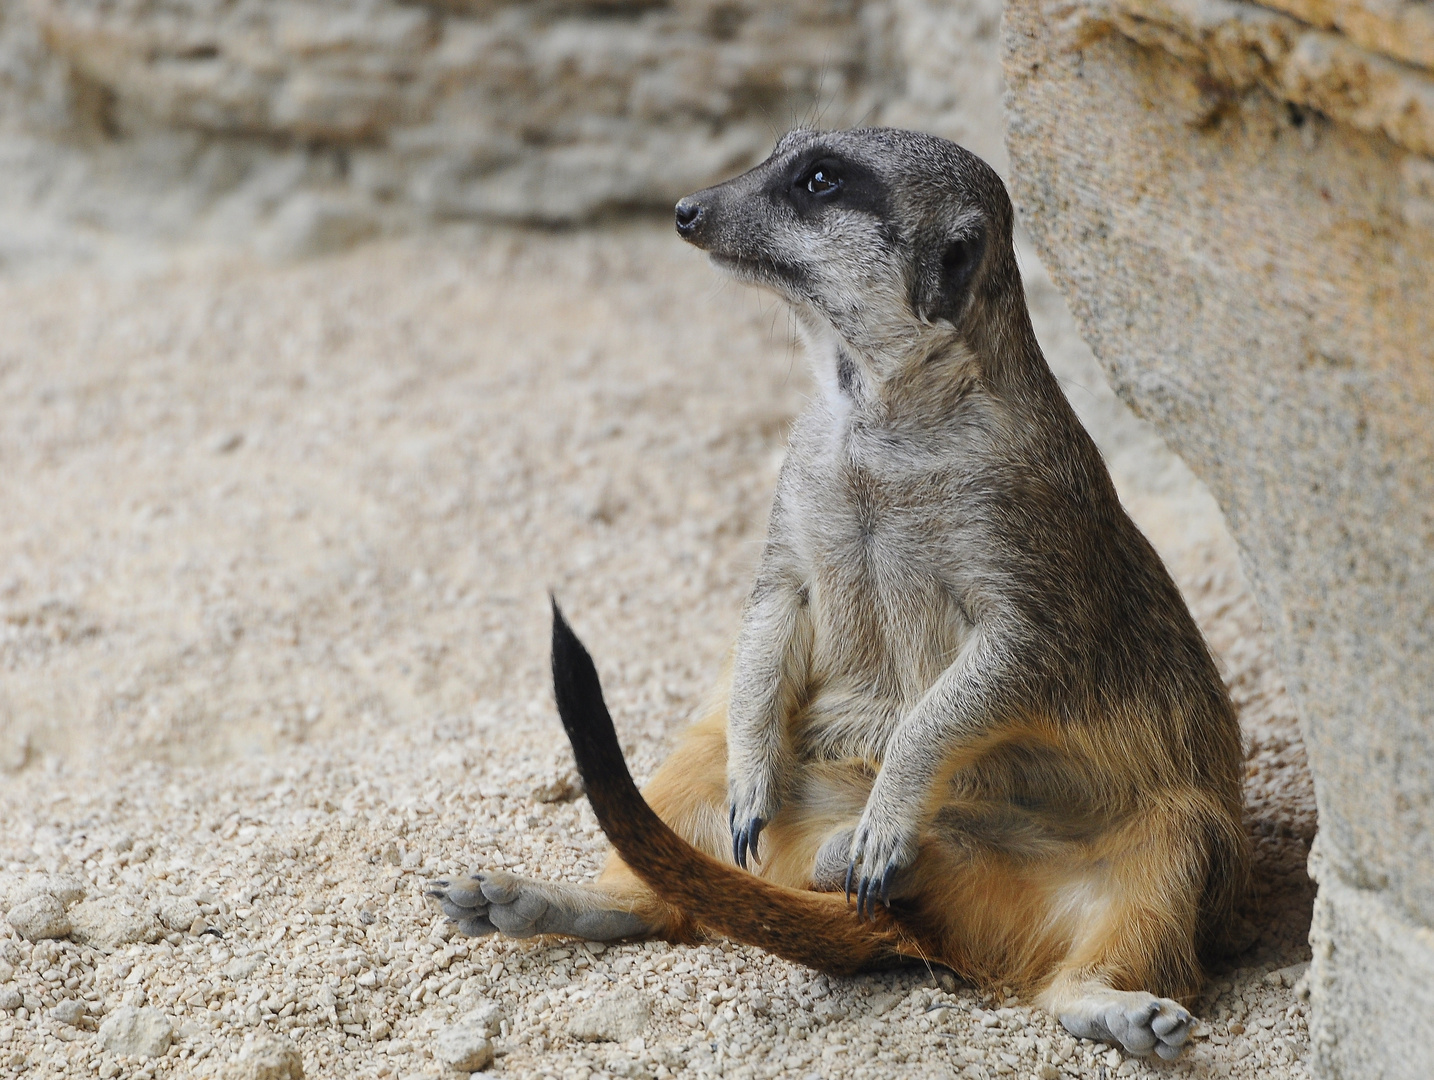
[391,111]
[297,127]
[1255,277]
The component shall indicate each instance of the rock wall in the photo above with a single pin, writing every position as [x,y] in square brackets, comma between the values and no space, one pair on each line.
[303,124]
[1236,202]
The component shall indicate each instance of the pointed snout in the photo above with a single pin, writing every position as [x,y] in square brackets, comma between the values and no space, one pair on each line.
[691,216]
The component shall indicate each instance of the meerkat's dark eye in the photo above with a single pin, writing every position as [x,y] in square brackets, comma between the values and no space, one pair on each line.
[822,180]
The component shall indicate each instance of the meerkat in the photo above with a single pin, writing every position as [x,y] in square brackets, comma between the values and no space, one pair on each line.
[970,718]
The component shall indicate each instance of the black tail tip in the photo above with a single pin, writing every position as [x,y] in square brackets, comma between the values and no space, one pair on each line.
[575,677]
[566,645]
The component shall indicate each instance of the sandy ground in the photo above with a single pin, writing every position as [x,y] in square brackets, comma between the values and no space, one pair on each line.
[274,559]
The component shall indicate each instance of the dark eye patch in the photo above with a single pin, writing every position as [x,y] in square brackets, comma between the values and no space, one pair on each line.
[821,179]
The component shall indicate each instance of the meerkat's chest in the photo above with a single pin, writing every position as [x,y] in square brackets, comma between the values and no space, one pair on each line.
[878,551]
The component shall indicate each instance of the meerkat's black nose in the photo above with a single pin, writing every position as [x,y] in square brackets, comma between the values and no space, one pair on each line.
[690,215]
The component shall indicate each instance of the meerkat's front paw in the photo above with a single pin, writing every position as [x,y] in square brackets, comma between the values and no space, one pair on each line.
[754,804]
[1138,1021]
[881,848]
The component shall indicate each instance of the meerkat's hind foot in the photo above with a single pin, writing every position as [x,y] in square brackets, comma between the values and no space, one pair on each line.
[1141,1023]
[830,865]
[492,901]
[462,900]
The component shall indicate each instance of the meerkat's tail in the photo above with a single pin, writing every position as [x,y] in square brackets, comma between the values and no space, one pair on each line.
[819,930]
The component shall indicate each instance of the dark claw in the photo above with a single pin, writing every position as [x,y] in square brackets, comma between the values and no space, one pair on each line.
[862,894]
[846,890]
[744,841]
[886,883]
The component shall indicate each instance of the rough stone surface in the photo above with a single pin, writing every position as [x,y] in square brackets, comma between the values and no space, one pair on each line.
[110,923]
[268,1057]
[136,1032]
[1256,279]
[462,1047]
[38,918]
[615,1017]
[1241,45]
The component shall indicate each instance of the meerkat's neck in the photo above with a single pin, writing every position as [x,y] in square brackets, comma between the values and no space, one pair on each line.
[922,377]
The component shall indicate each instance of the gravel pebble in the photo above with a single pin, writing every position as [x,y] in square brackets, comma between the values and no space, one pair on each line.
[69,1012]
[267,1057]
[462,1047]
[136,1032]
[16,888]
[179,913]
[109,923]
[38,918]
[485,1017]
[615,1017]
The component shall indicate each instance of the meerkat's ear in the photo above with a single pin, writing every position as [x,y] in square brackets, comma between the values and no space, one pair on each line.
[944,272]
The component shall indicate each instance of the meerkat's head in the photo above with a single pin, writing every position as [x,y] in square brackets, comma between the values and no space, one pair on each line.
[894,239]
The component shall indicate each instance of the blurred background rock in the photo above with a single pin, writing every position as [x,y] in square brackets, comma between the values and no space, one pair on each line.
[300,126]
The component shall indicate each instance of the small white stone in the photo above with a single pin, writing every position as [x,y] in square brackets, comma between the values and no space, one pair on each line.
[66,888]
[241,967]
[136,1032]
[179,913]
[39,917]
[485,1016]
[109,924]
[616,1017]
[268,1057]
[463,1047]
[69,1012]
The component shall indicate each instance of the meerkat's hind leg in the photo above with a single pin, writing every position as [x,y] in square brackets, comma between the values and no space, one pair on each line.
[1138,1021]
[492,901]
